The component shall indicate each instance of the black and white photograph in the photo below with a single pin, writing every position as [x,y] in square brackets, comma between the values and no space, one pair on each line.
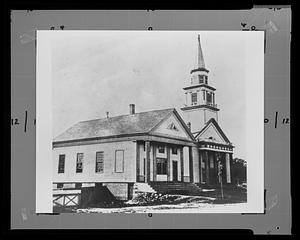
[150,121]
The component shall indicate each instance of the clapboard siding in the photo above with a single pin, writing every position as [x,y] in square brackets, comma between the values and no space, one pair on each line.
[89,163]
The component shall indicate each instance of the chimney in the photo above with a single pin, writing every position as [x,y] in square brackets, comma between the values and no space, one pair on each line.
[189,125]
[131,109]
[107,113]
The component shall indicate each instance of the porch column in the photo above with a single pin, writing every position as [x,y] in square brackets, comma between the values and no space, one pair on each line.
[154,162]
[216,166]
[231,159]
[200,166]
[186,164]
[168,163]
[147,174]
[181,164]
[228,178]
[195,164]
[137,162]
[207,167]
[191,170]
[211,166]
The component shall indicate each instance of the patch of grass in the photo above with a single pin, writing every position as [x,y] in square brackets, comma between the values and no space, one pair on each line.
[231,195]
[148,199]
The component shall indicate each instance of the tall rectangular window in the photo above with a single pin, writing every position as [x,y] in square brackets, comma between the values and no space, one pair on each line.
[61,163]
[201,79]
[209,97]
[161,166]
[79,162]
[119,161]
[194,97]
[99,162]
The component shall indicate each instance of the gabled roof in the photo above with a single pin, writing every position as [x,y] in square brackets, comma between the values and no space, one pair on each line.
[181,121]
[215,123]
[137,123]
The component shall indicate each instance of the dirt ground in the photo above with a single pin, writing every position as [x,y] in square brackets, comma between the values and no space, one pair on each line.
[192,207]
[210,200]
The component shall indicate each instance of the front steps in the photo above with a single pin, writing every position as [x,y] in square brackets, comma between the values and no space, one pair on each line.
[182,188]
[142,188]
[215,186]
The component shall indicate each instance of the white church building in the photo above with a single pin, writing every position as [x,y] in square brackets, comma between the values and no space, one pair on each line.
[155,149]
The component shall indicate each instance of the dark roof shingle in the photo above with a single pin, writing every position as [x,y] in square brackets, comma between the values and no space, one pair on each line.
[120,125]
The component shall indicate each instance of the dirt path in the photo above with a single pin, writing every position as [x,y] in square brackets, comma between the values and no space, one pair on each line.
[178,208]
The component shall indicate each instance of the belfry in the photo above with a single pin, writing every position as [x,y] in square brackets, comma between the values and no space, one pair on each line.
[200,103]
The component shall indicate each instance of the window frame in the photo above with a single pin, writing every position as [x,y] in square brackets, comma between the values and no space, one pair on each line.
[59,163]
[209,97]
[78,154]
[161,166]
[174,152]
[123,158]
[100,171]
[193,97]
[159,148]
[201,79]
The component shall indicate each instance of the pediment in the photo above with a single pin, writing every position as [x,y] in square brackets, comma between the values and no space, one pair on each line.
[172,127]
[212,133]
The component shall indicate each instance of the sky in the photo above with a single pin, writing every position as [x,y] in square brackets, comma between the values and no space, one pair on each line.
[98,71]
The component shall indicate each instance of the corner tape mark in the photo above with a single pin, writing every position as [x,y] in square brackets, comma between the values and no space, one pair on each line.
[28,36]
[24,214]
[271,27]
[272,202]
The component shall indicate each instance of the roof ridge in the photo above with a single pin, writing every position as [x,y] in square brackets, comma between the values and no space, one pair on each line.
[118,125]
[124,115]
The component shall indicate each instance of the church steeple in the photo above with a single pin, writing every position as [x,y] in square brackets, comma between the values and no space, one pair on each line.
[201,63]
[200,104]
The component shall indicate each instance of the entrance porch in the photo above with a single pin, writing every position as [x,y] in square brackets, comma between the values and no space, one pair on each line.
[214,159]
[163,162]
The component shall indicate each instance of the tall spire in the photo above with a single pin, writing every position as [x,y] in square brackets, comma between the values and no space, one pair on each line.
[201,63]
